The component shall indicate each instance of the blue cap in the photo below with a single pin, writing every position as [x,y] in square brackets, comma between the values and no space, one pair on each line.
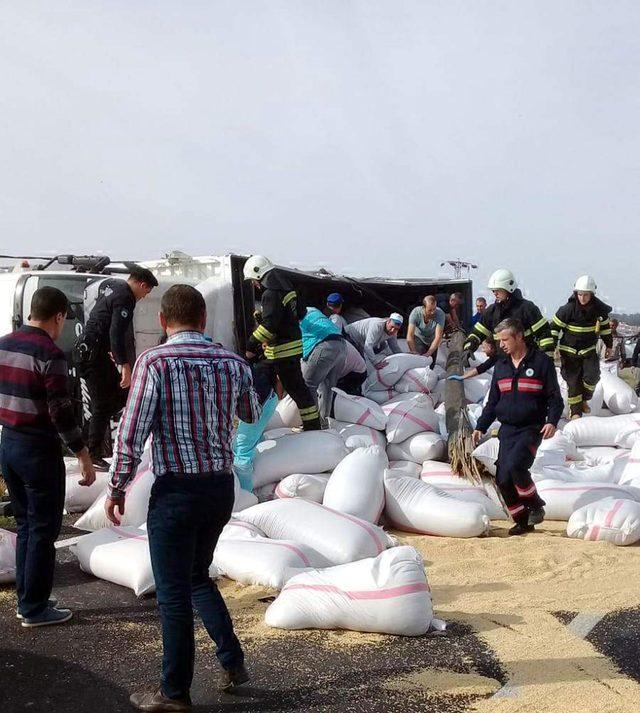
[335,298]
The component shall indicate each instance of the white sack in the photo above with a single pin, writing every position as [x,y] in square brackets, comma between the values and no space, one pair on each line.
[628,437]
[476,389]
[136,504]
[407,418]
[263,562]
[576,473]
[396,365]
[78,498]
[487,454]
[619,397]
[119,555]
[286,415]
[346,430]
[238,530]
[386,595]
[242,498]
[418,448]
[265,492]
[422,380]
[631,470]
[7,557]
[406,467]
[357,409]
[414,506]
[315,451]
[303,485]
[595,431]
[339,537]
[610,520]
[555,451]
[356,486]
[562,499]
[380,397]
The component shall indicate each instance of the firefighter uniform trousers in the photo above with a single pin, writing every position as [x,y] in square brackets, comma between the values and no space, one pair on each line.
[290,373]
[518,446]
[582,373]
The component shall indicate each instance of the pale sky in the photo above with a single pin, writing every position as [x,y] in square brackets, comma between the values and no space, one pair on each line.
[369,136]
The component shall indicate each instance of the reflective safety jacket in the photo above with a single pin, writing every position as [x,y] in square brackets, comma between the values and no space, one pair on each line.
[576,328]
[282,310]
[536,327]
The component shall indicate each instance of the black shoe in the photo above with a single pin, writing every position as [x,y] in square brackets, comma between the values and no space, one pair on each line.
[536,516]
[156,701]
[519,529]
[100,464]
[232,678]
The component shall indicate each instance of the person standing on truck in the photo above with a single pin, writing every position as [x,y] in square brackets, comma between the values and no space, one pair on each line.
[510,304]
[36,414]
[481,306]
[576,327]
[426,328]
[282,310]
[103,356]
[376,337]
[340,315]
[525,397]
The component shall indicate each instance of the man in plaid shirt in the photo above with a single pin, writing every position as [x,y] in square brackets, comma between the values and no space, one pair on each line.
[185,393]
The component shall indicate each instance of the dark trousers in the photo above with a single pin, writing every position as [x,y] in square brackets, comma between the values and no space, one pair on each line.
[517,452]
[582,374]
[107,399]
[352,383]
[186,517]
[33,469]
[290,373]
[424,348]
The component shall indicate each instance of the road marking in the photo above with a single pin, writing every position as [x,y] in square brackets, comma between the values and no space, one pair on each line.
[582,624]
[60,544]
[507,691]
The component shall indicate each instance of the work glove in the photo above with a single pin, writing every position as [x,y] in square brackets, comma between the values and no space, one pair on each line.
[455,377]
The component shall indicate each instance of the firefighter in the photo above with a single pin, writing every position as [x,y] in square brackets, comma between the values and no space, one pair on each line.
[576,327]
[525,397]
[282,310]
[510,303]
[104,357]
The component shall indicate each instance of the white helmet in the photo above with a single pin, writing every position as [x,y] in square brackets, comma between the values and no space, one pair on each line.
[256,267]
[585,283]
[502,280]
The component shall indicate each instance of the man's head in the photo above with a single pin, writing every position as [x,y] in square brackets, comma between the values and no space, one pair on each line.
[256,267]
[335,302]
[455,300]
[584,297]
[510,333]
[502,283]
[49,307]
[141,281]
[488,346]
[429,303]
[481,305]
[614,326]
[394,323]
[183,308]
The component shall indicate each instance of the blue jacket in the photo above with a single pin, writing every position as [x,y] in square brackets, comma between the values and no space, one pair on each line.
[526,396]
[315,328]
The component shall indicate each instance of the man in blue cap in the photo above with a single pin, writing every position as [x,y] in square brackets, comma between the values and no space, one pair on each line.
[340,315]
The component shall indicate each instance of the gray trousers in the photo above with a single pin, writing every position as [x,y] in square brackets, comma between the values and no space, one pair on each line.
[322,371]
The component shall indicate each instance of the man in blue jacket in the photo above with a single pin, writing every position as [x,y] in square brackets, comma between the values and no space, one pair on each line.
[526,399]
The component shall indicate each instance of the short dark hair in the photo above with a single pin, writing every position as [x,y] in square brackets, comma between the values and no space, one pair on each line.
[47,302]
[183,304]
[481,299]
[511,325]
[142,274]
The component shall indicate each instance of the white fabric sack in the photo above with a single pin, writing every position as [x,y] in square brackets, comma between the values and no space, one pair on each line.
[337,536]
[274,433]
[315,451]
[356,486]
[562,499]
[422,380]
[628,437]
[388,594]
[263,562]
[265,492]
[476,389]
[380,397]
[414,506]
[619,397]
[346,430]
[595,431]
[286,415]
[119,555]
[631,470]
[303,485]
[487,454]
[357,409]
[609,520]
[7,557]
[136,504]
[576,473]
[419,448]
[396,365]
[555,451]
[406,467]
[434,471]
[78,498]
[242,498]
[407,418]
[238,530]
[437,394]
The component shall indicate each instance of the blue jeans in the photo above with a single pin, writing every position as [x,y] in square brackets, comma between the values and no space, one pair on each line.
[186,517]
[33,469]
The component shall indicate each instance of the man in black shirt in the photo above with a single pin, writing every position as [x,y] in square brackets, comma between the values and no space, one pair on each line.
[102,356]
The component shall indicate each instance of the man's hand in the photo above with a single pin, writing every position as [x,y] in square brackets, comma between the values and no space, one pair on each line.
[125,381]
[381,364]
[110,506]
[86,468]
[249,355]
[476,436]
[455,377]
[608,353]
[548,431]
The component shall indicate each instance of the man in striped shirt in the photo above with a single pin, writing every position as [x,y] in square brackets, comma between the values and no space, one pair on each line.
[185,393]
[36,412]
